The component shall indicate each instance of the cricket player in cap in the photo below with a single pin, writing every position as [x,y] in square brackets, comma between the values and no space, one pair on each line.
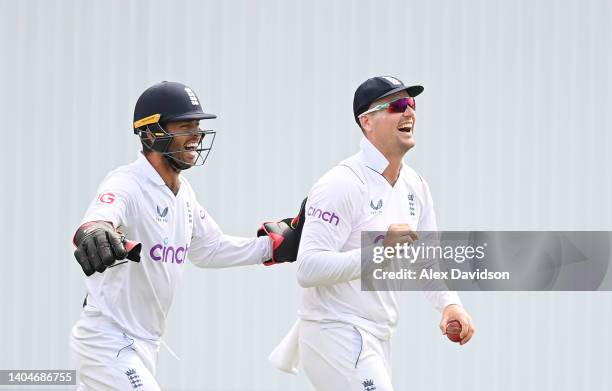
[141,228]
[343,336]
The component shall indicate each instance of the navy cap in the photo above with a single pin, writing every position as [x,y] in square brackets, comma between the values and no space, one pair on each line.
[376,88]
[168,102]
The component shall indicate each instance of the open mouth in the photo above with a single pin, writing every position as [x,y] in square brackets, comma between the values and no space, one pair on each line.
[191,147]
[406,128]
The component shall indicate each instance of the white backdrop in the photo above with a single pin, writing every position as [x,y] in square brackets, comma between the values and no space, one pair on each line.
[513,133]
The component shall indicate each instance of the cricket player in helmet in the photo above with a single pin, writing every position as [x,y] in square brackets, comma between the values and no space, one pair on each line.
[166,103]
[137,234]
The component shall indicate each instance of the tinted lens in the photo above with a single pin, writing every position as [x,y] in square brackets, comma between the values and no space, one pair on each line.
[400,105]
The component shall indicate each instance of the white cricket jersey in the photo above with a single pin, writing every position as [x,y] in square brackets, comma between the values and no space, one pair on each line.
[354,197]
[172,229]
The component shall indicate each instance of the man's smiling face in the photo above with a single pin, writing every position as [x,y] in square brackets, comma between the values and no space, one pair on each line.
[392,133]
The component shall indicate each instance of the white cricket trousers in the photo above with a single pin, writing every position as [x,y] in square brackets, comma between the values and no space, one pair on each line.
[106,358]
[338,356]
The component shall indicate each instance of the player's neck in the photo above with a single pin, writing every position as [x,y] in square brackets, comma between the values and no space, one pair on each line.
[392,171]
[394,157]
[165,171]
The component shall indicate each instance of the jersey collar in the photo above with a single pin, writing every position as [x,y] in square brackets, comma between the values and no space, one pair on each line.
[146,170]
[372,157]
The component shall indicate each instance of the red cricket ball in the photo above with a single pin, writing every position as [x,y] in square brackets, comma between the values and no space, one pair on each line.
[453,330]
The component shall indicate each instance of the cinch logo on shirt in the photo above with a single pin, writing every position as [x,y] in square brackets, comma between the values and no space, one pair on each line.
[329,217]
[165,253]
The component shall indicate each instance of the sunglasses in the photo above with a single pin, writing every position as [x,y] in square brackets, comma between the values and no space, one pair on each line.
[397,106]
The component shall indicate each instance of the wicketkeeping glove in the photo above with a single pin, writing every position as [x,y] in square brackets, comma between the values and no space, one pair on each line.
[99,245]
[285,235]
